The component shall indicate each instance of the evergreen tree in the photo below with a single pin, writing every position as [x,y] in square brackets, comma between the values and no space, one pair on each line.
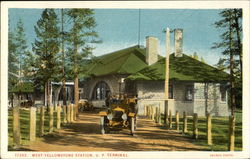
[63,34]
[221,65]
[195,56]
[21,49]
[80,39]
[202,60]
[46,49]
[232,49]
[12,61]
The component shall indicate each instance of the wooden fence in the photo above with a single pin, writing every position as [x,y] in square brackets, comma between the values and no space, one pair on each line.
[168,121]
[68,114]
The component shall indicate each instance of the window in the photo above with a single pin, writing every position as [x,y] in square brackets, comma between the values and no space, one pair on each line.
[189,93]
[101,91]
[223,93]
[170,92]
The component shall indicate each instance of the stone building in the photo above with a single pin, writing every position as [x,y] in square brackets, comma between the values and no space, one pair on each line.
[194,87]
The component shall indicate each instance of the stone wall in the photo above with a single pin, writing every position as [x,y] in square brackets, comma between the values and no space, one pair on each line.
[181,104]
[152,93]
[213,102]
[111,80]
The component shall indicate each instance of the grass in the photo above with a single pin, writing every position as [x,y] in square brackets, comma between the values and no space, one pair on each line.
[219,132]
[24,125]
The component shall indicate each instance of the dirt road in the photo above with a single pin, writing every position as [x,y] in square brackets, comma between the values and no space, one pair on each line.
[84,135]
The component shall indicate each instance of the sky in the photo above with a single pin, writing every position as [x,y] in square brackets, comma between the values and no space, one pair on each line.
[119,28]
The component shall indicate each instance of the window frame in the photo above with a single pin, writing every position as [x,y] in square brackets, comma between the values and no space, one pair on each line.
[223,90]
[100,91]
[189,88]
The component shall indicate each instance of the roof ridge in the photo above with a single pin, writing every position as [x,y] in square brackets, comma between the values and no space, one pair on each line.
[114,52]
[124,62]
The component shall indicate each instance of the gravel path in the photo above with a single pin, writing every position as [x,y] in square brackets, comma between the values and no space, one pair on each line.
[84,135]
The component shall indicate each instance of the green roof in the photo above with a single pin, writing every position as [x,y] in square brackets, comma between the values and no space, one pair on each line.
[183,68]
[126,61]
[23,87]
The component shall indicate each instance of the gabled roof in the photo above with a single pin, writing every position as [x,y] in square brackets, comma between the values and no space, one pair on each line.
[126,61]
[183,68]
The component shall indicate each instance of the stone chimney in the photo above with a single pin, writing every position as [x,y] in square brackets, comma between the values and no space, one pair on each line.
[178,42]
[151,50]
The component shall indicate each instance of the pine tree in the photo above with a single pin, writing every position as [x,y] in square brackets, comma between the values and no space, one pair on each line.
[80,39]
[46,49]
[195,56]
[12,61]
[202,60]
[231,43]
[63,34]
[21,49]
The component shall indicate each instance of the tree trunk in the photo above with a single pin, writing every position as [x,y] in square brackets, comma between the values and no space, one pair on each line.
[232,81]
[57,91]
[206,97]
[76,93]
[45,95]
[63,60]
[76,88]
[238,39]
[48,95]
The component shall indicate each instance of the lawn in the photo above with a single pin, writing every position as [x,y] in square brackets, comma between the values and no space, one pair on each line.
[24,124]
[219,132]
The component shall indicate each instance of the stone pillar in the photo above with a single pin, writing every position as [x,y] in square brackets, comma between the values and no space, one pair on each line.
[51,119]
[209,129]
[16,127]
[177,120]
[102,125]
[32,123]
[41,126]
[58,121]
[75,111]
[149,112]
[152,112]
[159,116]
[166,120]
[184,122]
[231,133]
[68,113]
[156,114]
[72,113]
[170,119]
[132,125]
[166,114]
[195,126]
[64,114]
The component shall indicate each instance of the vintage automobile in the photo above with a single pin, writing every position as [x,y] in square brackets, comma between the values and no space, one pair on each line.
[85,105]
[121,114]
